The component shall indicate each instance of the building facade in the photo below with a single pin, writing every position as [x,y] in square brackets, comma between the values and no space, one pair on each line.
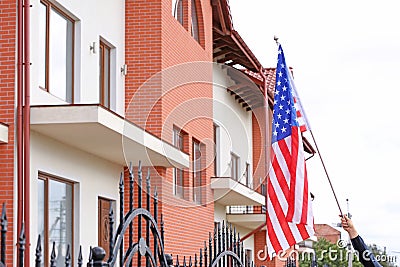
[102,85]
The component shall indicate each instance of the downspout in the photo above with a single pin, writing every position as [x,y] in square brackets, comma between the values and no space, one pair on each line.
[19,118]
[27,119]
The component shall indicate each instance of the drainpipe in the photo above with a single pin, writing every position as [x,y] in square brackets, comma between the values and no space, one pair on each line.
[19,117]
[27,120]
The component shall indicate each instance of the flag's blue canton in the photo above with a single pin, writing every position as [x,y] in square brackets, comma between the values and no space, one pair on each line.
[284,112]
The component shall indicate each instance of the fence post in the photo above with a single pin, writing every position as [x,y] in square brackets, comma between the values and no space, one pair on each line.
[90,260]
[80,258]
[139,204]
[3,234]
[170,260]
[53,256]
[38,253]
[147,221]
[111,233]
[121,216]
[98,254]
[68,258]
[21,246]
[131,193]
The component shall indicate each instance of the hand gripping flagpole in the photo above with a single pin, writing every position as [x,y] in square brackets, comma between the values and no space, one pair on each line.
[312,135]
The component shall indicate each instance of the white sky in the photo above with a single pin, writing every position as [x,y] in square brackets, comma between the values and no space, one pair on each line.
[346,60]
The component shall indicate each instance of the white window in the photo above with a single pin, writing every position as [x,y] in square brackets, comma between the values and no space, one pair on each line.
[197,172]
[56,34]
[55,216]
[195,22]
[216,150]
[177,10]
[248,177]
[235,165]
[178,177]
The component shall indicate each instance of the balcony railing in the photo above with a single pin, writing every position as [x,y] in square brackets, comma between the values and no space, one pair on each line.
[246,209]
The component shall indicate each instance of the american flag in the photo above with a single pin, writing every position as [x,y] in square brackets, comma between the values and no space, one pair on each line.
[289,212]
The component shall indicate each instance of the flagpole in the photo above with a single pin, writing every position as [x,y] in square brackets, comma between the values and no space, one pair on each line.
[326,172]
[319,154]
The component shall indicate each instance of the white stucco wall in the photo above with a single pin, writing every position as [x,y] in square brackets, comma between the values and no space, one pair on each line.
[235,126]
[93,177]
[95,19]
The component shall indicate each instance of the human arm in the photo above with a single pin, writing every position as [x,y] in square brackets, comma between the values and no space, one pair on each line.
[366,257]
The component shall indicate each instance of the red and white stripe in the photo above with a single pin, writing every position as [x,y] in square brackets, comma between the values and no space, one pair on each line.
[289,212]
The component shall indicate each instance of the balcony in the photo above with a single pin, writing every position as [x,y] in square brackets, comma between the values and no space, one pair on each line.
[229,192]
[250,217]
[100,132]
[3,133]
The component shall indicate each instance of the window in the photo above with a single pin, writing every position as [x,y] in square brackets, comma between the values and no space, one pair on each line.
[249,257]
[56,31]
[177,10]
[178,177]
[216,150]
[235,165]
[197,172]
[105,55]
[195,22]
[249,182]
[55,216]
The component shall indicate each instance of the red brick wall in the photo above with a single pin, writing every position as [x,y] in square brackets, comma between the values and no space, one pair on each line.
[156,42]
[261,258]
[7,96]
[143,57]
[258,133]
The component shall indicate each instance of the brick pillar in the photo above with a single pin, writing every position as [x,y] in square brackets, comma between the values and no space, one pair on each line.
[8,19]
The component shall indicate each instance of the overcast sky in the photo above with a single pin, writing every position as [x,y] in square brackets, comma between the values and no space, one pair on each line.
[346,60]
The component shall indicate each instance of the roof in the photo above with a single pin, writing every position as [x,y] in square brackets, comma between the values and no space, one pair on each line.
[229,47]
[325,229]
[327,232]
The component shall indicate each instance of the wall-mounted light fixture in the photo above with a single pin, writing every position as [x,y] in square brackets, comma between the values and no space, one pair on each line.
[124,69]
[93,47]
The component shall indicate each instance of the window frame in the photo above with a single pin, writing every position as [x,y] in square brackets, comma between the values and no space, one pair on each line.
[103,49]
[46,177]
[178,174]
[216,136]
[49,7]
[178,6]
[235,167]
[247,174]
[194,22]
[197,179]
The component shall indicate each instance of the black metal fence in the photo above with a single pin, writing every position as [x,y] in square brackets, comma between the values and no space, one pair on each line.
[3,223]
[290,262]
[222,249]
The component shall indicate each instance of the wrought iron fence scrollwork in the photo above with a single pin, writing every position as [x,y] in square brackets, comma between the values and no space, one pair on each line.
[142,247]
[223,249]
